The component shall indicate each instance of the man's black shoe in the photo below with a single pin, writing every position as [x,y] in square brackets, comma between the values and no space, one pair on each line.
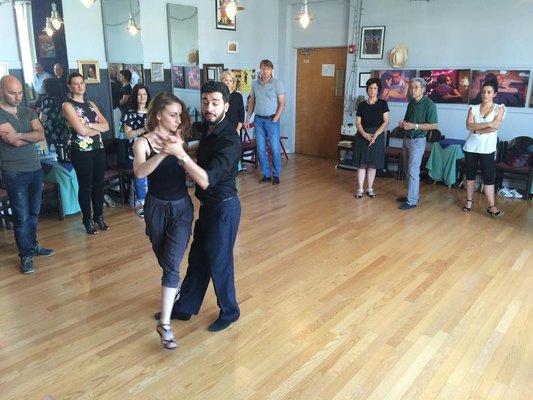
[174,315]
[221,324]
[275,181]
[26,265]
[401,199]
[407,206]
[39,251]
[265,179]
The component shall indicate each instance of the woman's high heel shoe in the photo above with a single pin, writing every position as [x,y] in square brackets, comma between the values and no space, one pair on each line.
[467,209]
[494,214]
[101,223]
[89,227]
[167,337]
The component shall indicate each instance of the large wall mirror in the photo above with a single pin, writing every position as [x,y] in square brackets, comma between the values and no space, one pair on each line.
[184,54]
[123,44]
[42,46]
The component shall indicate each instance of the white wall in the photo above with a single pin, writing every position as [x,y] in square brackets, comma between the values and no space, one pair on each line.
[9,49]
[472,34]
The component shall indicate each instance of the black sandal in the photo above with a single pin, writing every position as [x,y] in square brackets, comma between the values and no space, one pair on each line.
[494,214]
[467,209]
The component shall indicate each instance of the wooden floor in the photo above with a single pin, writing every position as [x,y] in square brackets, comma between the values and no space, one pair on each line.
[340,299]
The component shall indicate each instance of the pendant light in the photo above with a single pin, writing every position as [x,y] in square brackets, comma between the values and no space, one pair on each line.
[132,27]
[48,28]
[304,18]
[55,19]
[88,3]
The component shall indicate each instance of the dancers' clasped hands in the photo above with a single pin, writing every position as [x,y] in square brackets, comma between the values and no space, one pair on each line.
[171,144]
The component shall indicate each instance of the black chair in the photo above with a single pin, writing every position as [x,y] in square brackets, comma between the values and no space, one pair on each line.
[249,148]
[517,160]
[394,154]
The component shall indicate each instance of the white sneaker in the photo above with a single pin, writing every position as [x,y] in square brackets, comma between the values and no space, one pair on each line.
[505,192]
[516,194]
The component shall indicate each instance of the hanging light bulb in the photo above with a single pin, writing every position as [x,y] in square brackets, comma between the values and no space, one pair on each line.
[132,27]
[88,3]
[48,28]
[304,18]
[55,18]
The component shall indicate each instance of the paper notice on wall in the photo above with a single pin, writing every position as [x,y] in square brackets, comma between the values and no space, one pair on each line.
[328,69]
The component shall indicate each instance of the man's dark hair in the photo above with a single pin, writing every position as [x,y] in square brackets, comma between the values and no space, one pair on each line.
[73,75]
[213,87]
[371,81]
[126,73]
[134,104]
[52,87]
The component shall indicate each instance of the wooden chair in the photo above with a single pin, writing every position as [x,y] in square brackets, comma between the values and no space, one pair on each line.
[111,175]
[394,154]
[249,148]
[518,145]
[53,188]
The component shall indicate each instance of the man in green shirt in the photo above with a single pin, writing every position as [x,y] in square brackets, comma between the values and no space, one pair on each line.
[22,176]
[420,117]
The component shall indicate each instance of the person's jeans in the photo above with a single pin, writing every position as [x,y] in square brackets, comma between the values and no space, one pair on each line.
[413,152]
[25,194]
[140,187]
[265,130]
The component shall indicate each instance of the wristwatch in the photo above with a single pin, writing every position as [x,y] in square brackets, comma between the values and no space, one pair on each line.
[416,127]
[183,160]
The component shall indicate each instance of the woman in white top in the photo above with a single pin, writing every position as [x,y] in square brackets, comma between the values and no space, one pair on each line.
[480,148]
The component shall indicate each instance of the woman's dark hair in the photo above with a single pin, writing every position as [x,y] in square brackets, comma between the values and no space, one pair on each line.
[371,81]
[493,83]
[126,73]
[134,105]
[73,75]
[52,87]
[158,104]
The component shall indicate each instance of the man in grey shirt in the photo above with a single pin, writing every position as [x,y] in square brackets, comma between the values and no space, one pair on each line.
[22,176]
[268,102]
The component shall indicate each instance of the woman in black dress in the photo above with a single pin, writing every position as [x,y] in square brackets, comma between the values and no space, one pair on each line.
[87,152]
[168,210]
[372,118]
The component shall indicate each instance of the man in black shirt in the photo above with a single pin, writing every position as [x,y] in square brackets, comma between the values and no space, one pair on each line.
[215,230]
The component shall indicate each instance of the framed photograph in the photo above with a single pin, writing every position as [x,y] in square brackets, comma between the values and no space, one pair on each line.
[363,77]
[90,70]
[447,85]
[212,72]
[178,77]
[137,71]
[372,41]
[4,68]
[512,86]
[192,78]
[395,84]
[157,72]
[114,71]
[222,19]
[232,47]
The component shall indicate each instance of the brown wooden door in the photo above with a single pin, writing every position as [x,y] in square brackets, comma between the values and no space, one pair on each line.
[319,100]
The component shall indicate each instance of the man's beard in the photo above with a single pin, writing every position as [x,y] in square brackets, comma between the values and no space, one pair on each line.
[219,118]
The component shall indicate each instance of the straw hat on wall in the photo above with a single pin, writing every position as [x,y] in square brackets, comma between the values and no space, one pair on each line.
[398,56]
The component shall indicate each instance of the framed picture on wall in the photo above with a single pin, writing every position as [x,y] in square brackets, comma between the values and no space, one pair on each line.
[114,71]
[157,72]
[192,78]
[4,69]
[90,70]
[372,41]
[447,85]
[222,19]
[212,72]
[363,77]
[232,47]
[394,84]
[512,86]
[178,77]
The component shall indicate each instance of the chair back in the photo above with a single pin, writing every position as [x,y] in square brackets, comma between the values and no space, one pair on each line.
[245,137]
[434,135]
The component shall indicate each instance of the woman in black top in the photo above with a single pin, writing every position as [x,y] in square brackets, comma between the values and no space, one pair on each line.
[168,210]
[235,113]
[87,152]
[372,118]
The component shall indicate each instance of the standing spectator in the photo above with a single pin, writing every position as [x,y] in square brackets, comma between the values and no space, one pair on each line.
[38,81]
[87,152]
[20,129]
[55,128]
[268,102]
[62,78]
[420,117]
[125,91]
